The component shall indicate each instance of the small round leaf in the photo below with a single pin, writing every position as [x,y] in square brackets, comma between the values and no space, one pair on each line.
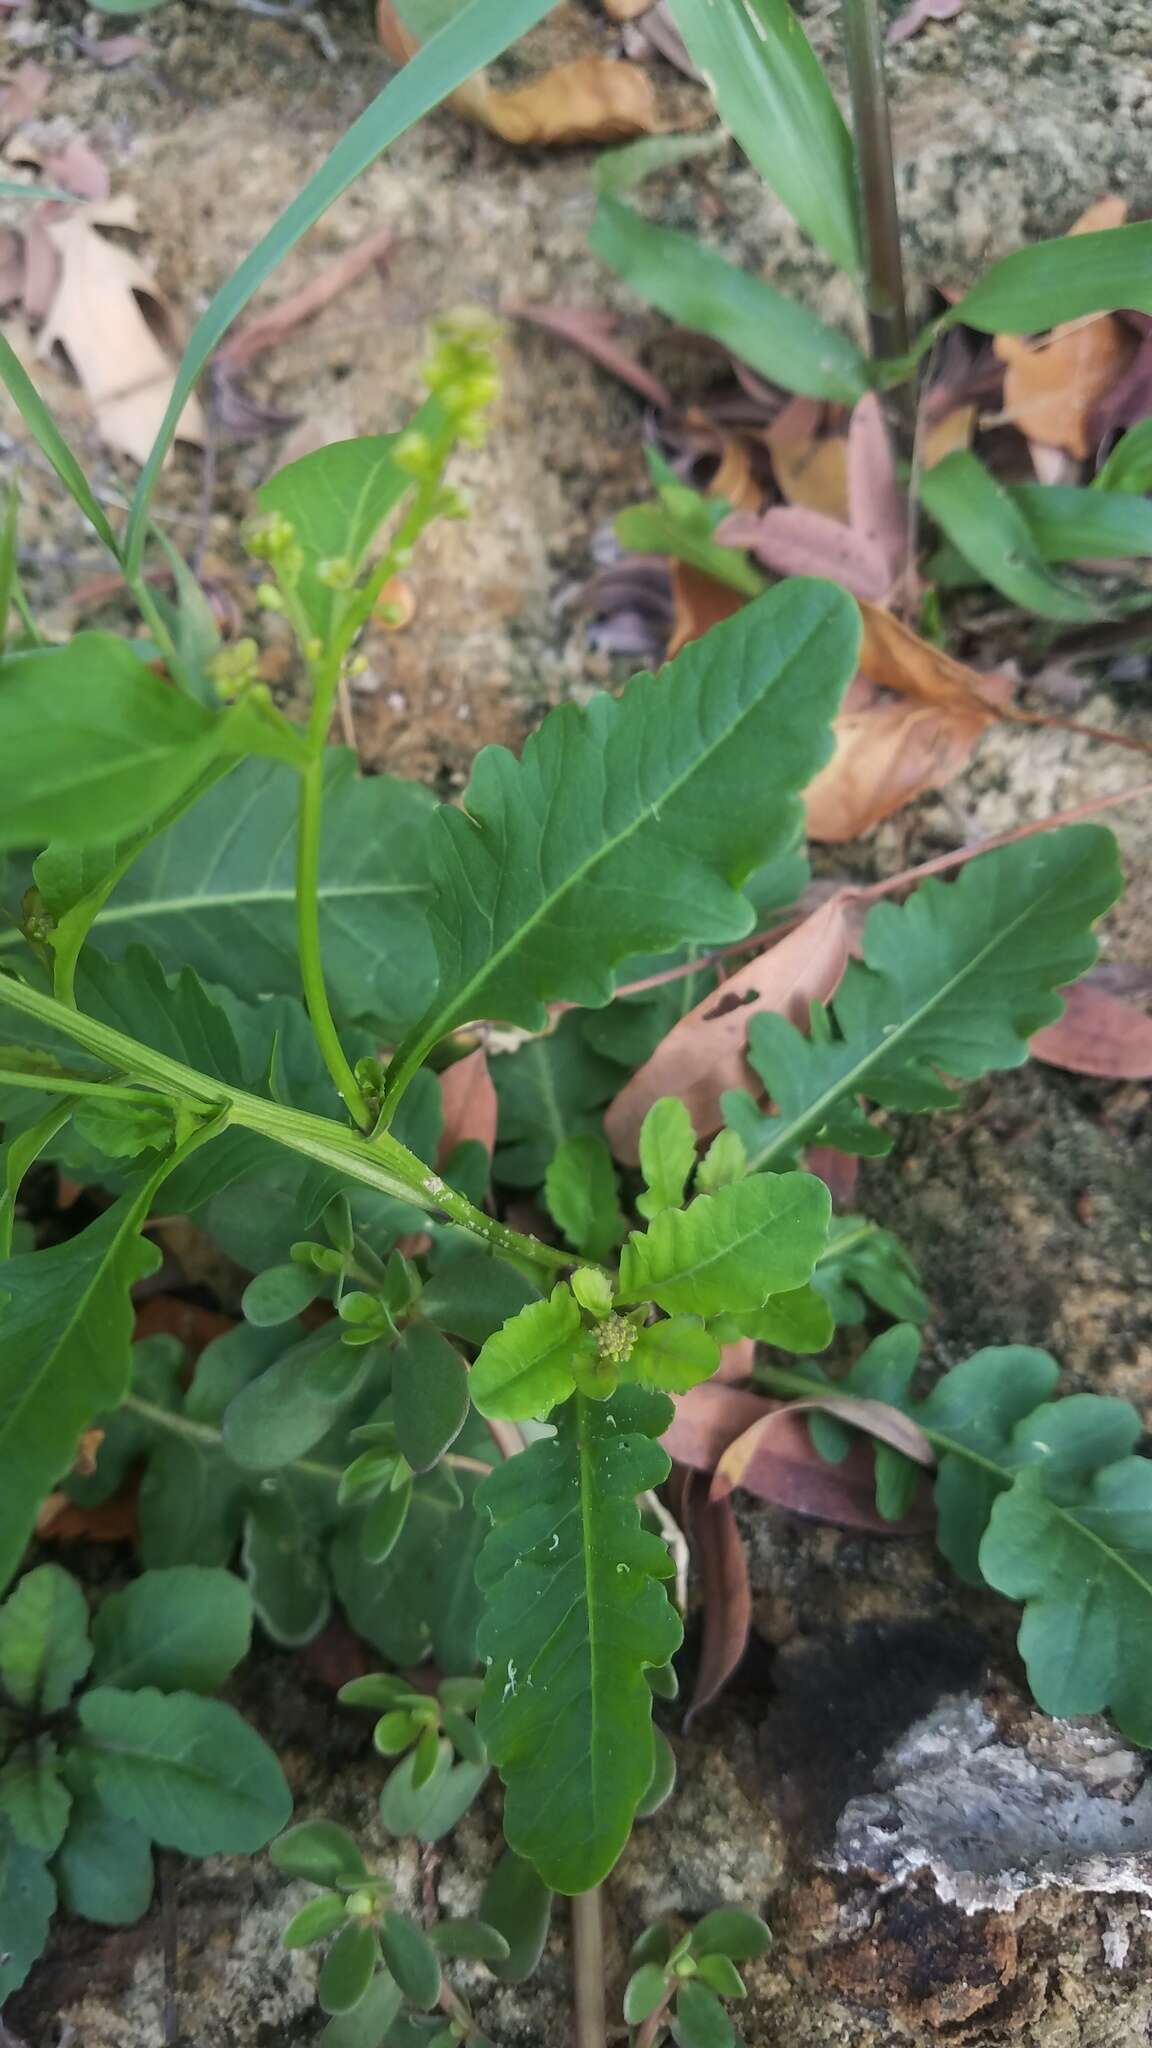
[278,1295]
[349,1968]
[646,1987]
[729,1931]
[314,1921]
[319,1851]
[721,1976]
[412,1960]
[701,2021]
[472,1939]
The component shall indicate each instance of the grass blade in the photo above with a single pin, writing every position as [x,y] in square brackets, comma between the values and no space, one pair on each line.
[473,39]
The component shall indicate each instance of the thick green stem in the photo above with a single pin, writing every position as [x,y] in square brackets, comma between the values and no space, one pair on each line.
[380,1162]
[880,216]
[308,921]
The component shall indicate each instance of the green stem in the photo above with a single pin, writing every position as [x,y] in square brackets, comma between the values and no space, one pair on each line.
[380,1162]
[154,620]
[864,51]
[213,1439]
[68,1084]
[308,909]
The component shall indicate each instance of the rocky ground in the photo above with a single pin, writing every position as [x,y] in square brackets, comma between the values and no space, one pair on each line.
[879,1726]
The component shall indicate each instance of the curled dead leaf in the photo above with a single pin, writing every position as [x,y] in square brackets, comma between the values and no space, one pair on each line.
[1099,1033]
[875,1418]
[281,320]
[726,1595]
[703,1054]
[877,506]
[97,318]
[591,99]
[784,1467]
[1053,388]
[810,466]
[699,602]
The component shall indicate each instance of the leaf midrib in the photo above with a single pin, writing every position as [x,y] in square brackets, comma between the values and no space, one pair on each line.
[413,1052]
[789,1136]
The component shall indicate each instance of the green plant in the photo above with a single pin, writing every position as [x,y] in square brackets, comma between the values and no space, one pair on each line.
[225,1051]
[676,1990]
[773,95]
[109,1745]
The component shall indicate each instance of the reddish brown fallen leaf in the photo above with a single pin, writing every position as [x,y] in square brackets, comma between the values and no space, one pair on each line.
[839,1172]
[1100,1034]
[736,1361]
[592,99]
[726,1595]
[874,1418]
[166,1315]
[656,31]
[786,1470]
[593,331]
[335,1656]
[916,17]
[811,467]
[1130,400]
[77,168]
[114,1521]
[470,1104]
[877,506]
[703,1054]
[795,542]
[699,602]
[269,328]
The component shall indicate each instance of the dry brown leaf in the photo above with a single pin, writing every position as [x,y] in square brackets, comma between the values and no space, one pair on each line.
[734,479]
[1052,388]
[592,99]
[96,317]
[1109,212]
[946,435]
[811,468]
[703,1054]
[838,1170]
[915,17]
[877,506]
[281,320]
[875,1418]
[885,757]
[726,1594]
[1100,1034]
[699,602]
[11,267]
[470,1105]
[785,1468]
[795,542]
[893,655]
[594,331]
